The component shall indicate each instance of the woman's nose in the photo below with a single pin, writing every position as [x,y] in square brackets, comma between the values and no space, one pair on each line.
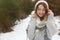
[41,11]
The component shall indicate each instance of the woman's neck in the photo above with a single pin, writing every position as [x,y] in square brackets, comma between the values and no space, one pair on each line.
[43,18]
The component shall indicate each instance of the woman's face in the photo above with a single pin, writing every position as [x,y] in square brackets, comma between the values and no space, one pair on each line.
[41,10]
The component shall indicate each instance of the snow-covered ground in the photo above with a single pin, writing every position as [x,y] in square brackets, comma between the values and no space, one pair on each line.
[19,32]
[57,21]
[57,35]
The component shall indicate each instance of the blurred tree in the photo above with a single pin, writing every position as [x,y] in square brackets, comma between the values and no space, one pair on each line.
[55,6]
[8,11]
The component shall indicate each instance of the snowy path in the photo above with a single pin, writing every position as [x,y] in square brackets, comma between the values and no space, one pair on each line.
[57,36]
[57,21]
[19,32]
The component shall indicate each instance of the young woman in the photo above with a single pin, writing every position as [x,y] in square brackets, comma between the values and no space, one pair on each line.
[42,21]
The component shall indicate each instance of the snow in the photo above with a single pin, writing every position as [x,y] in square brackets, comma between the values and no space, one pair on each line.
[56,36]
[19,32]
[57,21]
